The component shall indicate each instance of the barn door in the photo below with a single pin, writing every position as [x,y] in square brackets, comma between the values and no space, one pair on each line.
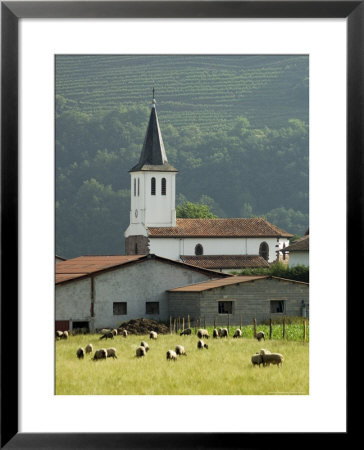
[62,325]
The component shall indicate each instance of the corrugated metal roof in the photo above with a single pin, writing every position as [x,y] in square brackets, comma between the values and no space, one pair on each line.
[212,284]
[254,227]
[225,261]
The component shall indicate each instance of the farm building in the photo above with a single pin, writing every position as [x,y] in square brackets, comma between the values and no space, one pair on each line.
[94,292]
[298,251]
[240,298]
[234,243]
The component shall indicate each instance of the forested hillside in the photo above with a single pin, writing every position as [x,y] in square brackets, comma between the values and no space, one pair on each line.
[235,127]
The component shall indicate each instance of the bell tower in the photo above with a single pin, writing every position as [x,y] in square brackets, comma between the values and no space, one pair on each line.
[153,189]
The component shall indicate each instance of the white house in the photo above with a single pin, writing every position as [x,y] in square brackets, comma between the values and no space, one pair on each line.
[154,228]
[299,252]
[94,292]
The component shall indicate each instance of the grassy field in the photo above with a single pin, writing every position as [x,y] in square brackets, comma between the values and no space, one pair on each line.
[224,369]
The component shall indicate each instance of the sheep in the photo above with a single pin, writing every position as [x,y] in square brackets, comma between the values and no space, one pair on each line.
[114,331]
[145,345]
[237,333]
[107,335]
[264,351]
[201,333]
[180,350]
[140,351]
[223,332]
[111,352]
[186,332]
[59,334]
[215,333]
[153,335]
[124,333]
[80,353]
[64,335]
[272,358]
[257,359]
[89,348]
[260,335]
[171,355]
[201,344]
[105,330]
[100,354]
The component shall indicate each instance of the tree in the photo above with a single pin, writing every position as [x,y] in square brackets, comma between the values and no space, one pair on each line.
[189,210]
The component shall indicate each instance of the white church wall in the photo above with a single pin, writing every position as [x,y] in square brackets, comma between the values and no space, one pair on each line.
[174,247]
[298,259]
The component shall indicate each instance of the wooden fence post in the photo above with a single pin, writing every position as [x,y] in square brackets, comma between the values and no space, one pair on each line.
[189,321]
[284,328]
[270,328]
[215,322]
[204,322]
[304,331]
[255,327]
[170,324]
[183,323]
[228,323]
[241,321]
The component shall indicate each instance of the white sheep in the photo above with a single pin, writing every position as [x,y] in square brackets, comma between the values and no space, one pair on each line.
[140,351]
[260,335]
[171,355]
[202,333]
[80,353]
[59,334]
[257,359]
[264,351]
[201,344]
[153,335]
[89,348]
[180,350]
[237,333]
[124,333]
[100,354]
[111,352]
[64,335]
[223,332]
[145,345]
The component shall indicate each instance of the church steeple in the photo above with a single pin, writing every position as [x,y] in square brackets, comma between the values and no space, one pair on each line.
[153,156]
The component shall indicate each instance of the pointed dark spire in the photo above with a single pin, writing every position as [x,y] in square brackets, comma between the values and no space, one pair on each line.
[153,156]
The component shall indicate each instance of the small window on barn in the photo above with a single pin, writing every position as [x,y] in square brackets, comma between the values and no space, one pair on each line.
[151,307]
[225,307]
[164,186]
[152,186]
[198,250]
[277,306]
[264,250]
[119,308]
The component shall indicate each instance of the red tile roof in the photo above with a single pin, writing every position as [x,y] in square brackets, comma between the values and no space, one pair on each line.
[226,261]
[255,227]
[301,245]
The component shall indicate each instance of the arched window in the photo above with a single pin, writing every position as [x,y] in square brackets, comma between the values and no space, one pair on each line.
[153,186]
[264,250]
[198,250]
[138,187]
[134,187]
[164,186]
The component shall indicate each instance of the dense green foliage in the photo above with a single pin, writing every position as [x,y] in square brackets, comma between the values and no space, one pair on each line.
[235,128]
[189,210]
[278,269]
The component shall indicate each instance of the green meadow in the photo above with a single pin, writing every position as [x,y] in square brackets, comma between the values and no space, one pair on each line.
[223,369]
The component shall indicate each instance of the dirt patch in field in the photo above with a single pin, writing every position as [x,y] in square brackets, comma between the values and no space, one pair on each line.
[144,326]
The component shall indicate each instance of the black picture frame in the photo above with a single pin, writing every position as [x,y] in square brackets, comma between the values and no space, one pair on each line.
[11,13]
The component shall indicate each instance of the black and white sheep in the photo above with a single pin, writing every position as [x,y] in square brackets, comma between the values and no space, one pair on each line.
[111,352]
[100,354]
[64,335]
[215,333]
[186,332]
[89,348]
[237,333]
[202,333]
[114,331]
[108,335]
[223,332]
[180,350]
[124,333]
[171,355]
[145,345]
[260,335]
[140,351]
[80,353]
[59,334]
[201,344]
[257,360]
[153,335]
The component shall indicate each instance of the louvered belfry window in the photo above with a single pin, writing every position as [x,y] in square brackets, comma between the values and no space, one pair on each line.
[153,186]
[164,186]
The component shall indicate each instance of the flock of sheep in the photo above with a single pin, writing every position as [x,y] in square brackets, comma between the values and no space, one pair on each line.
[264,357]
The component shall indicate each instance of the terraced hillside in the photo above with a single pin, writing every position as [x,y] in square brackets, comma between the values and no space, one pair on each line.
[209,91]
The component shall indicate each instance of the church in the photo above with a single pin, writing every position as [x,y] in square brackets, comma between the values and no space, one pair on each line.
[218,244]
